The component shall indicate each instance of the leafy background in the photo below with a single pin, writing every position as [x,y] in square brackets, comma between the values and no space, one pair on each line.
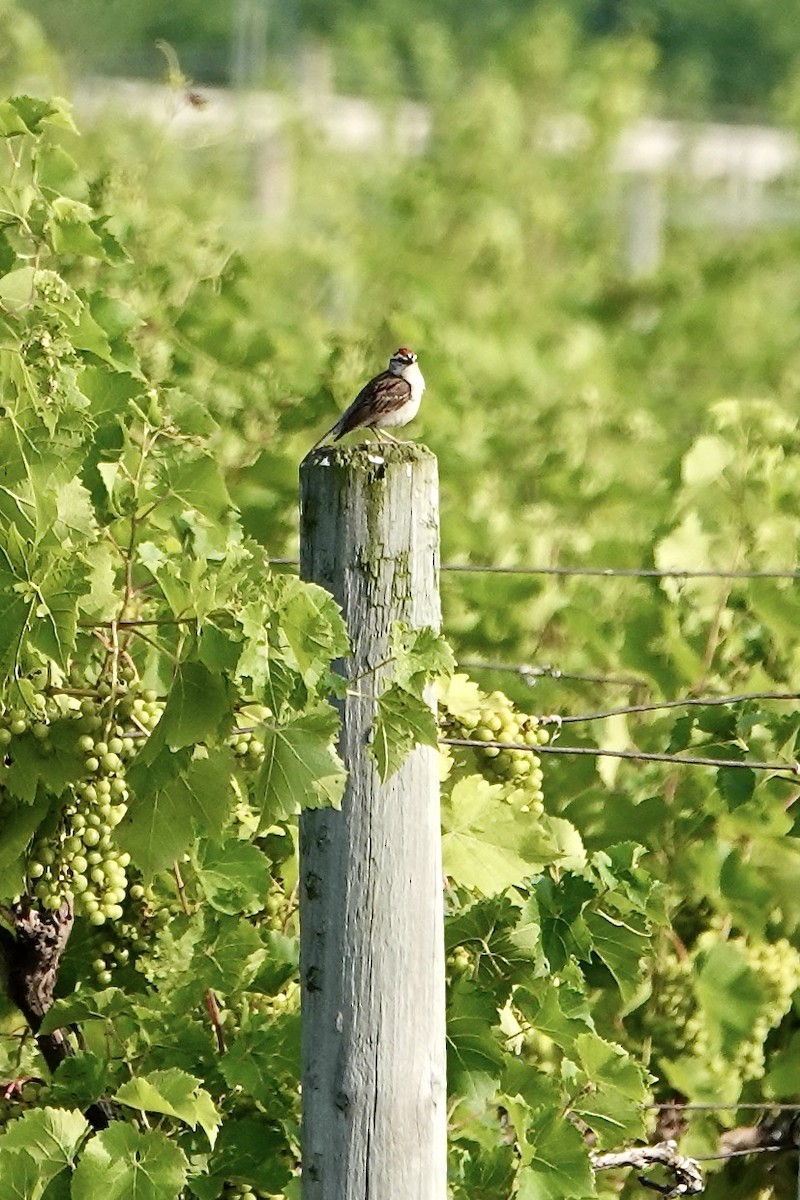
[633,934]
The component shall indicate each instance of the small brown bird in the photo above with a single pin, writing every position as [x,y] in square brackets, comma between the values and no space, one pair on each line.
[390,399]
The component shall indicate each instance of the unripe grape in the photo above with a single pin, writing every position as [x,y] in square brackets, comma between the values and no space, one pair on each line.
[92,764]
[103,977]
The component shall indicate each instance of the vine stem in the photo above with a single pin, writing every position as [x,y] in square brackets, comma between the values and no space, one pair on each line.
[212,1008]
[181,886]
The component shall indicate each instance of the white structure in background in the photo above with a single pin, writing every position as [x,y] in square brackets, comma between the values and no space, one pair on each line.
[731,168]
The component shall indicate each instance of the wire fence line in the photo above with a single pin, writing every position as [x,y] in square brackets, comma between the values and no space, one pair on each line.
[658,706]
[523,670]
[748,1105]
[598,572]
[793,768]
[532,674]
[787,770]
[621,572]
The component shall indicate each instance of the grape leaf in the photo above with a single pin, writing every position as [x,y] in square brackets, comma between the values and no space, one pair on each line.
[279,964]
[613,1104]
[198,704]
[108,1004]
[557,1012]
[471,1047]
[301,769]
[198,483]
[20,1175]
[311,621]
[158,827]
[249,1151]
[161,824]
[234,877]
[120,1163]
[50,1137]
[621,945]
[261,1055]
[19,823]
[559,1167]
[174,1093]
[486,844]
[418,656]
[402,722]
[79,1080]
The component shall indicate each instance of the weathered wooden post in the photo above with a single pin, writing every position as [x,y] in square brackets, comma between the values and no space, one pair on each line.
[372,952]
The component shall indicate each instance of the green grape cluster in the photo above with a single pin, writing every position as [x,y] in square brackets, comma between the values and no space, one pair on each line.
[79,861]
[276,907]
[249,749]
[498,721]
[240,1191]
[14,722]
[675,1021]
[460,962]
[113,953]
[667,1018]
[777,967]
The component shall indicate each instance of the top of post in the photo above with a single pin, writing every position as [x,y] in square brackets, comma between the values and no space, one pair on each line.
[367,456]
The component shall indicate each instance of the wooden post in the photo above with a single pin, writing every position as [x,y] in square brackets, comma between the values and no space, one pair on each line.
[371,906]
[645,218]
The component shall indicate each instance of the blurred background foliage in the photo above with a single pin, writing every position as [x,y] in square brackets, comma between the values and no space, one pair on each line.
[710,57]
[581,415]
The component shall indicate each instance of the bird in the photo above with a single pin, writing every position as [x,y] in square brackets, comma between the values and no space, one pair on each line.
[390,399]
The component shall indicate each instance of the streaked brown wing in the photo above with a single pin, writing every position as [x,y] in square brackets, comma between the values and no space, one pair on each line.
[383,394]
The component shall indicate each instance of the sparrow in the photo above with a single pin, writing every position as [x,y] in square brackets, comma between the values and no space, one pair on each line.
[391,398]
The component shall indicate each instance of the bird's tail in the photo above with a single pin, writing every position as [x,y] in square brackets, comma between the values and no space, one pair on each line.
[334,429]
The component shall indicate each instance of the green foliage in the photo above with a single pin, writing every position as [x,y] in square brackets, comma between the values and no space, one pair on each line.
[605,919]
[731,57]
[144,642]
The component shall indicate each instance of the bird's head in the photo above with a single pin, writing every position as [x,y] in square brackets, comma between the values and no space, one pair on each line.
[401,359]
